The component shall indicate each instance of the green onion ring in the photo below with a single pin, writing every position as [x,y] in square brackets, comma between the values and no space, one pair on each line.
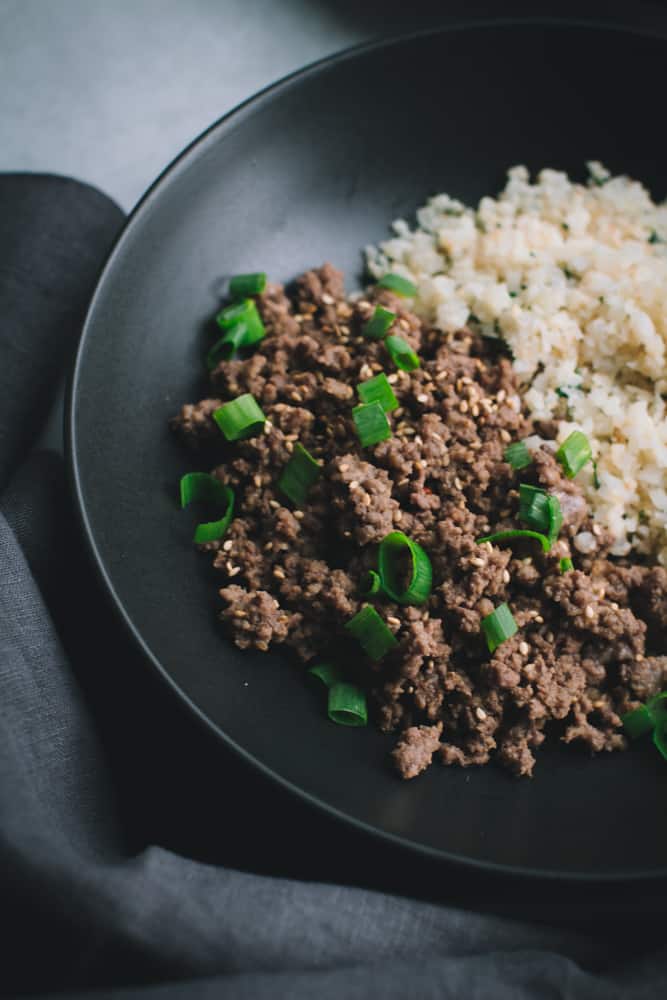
[202,487]
[421,576]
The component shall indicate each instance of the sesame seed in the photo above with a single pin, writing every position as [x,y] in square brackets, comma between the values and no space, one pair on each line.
[279,573]
[524,648]
[463,406]
[398,516]
[422,398]
[539,619]
[441,375]
[457,483]
[327,299]
[290,446]
[268,426]
[505,435]
[589,611]
[506,576]
[257,480]
[268,546]
[234,570]
[366,500]
[476,561]
[392,378]
[480,713]
[474,409]
[639,657]
[393,621]
[347,534]
[597,530]
[500,396]
[227,545]
[239,613]
[274,504]
[599,703]
[354,485]
[344,467]
[298,515]
[365,371]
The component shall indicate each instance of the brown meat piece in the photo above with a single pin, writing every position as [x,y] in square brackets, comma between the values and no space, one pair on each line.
[414,751]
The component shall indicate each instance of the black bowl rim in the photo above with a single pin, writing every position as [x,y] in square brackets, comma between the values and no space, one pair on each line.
[181,162]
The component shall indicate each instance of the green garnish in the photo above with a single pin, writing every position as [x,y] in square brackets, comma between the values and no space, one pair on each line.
[637,722]
[504,536]
[372,633]
[327,673]
[299,474]
[371,423]
[204,488]
[574,453]
[393,548]
[371,584]
[347,705]
[378,389]
[561,392]
[226,347]
[398,285]
[517,455]
[402,354]
[243,312]
[376,327]
[566,565]
[242,285]
[240,418]
[652,715]
[660,737]
[540,511]
[499,626]
[655,238]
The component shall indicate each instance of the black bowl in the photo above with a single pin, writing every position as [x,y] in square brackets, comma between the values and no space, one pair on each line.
[313,169]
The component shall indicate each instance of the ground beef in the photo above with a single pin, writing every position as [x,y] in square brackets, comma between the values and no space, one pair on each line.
[589,640]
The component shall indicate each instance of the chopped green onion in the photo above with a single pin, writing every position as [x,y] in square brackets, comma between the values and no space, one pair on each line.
[378,389]
[398,285]
[371,423]
[347,705]
[372,633]
[202,487]
[540,510]
[660,737]
[517,455]
[574,453]
[243,312]
[505,536]
[240,418]
[657,706]
[371,584]
[378,324]
[299,474]
[242,285]
[402,354]
[393,547]
[566,565]
[327,673]
[225,348]
[654,238]
[637,722]
[499,626]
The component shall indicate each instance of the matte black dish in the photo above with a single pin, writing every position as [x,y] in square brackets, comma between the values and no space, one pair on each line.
[312,170]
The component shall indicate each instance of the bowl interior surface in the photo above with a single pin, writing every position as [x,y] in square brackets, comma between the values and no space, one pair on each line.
[314,170]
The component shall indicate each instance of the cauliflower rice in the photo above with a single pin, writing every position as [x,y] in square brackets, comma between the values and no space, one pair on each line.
[574,278]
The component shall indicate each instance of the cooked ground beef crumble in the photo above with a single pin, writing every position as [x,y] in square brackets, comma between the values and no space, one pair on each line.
[583,653]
